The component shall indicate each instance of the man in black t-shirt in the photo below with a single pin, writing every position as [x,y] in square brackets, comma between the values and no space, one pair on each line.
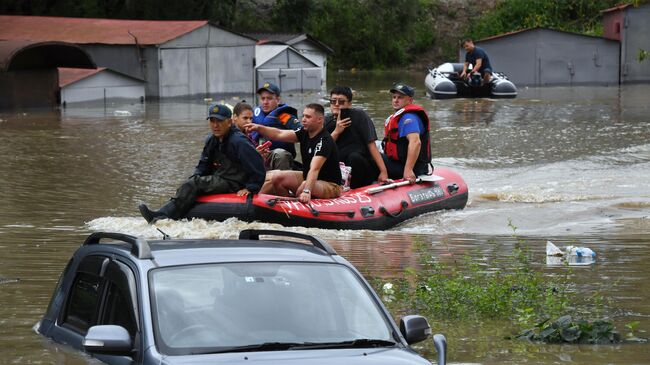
[321,174]
[479,59]
[355,136]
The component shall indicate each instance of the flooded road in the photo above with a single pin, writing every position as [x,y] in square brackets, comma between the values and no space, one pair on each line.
[567,164]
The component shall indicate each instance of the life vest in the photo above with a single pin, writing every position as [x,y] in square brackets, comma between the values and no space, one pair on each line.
[282,117]
[396,148]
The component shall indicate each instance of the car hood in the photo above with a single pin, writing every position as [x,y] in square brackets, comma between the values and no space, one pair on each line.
[392,356]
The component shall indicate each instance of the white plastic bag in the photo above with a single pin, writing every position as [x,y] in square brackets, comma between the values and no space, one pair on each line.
[346,176]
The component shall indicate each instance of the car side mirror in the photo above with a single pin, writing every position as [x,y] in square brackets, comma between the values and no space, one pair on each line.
[108,339]
[414,328]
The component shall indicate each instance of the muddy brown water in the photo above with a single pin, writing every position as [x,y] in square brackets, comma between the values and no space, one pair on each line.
[570,165]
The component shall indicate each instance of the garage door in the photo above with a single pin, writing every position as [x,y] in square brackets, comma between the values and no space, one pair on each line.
[294,79]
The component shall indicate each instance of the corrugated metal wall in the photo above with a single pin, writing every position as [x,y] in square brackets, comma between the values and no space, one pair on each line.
[290,71]
[541,57]
[208,61]
[102,86]
[316,55]
[636,27]
[204,62]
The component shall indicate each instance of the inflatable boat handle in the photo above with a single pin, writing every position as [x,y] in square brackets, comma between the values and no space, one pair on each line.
[314,212]
[378,189]
[271,202]
[385,211]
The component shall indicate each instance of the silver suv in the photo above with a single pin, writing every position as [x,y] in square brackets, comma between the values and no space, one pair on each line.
[277,300]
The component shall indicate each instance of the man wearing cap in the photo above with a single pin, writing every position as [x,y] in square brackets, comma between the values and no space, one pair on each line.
[407,152]
[272,113]
[321,175]
[229,163]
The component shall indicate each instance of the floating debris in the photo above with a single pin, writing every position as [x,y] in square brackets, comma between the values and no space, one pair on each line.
[9,280]
[571,255]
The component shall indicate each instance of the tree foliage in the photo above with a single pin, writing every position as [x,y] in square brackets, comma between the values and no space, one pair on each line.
[363,33]
[580,16]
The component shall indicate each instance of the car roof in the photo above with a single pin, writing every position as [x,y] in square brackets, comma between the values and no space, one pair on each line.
[167,253]
[170,252]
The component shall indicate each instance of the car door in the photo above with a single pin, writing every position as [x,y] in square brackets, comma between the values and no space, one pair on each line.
[119,307]
[103,292]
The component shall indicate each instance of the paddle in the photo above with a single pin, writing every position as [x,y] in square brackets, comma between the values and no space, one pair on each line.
[420,178]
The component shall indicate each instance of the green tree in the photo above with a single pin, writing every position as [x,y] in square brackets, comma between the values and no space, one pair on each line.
[581,16]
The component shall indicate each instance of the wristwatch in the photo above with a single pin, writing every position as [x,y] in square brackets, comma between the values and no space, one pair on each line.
[306,191]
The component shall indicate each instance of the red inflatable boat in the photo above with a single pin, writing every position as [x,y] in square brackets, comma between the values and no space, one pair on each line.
[375,207]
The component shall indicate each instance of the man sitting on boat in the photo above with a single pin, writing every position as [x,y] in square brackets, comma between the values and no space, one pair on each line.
[321,174]
[273,113]
[229,163]
[478,57]
[355,137]
[407,152]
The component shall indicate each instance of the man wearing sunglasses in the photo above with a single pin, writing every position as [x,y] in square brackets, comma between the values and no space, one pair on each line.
[355,137]
[407,152]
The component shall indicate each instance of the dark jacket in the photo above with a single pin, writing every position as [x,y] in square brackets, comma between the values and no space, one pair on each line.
[233,159]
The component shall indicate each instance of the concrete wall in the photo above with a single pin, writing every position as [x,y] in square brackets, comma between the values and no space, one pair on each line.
[613,25]
[542,57]
[636,27]
[102,86]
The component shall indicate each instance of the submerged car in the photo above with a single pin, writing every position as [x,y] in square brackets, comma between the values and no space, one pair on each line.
[127,300]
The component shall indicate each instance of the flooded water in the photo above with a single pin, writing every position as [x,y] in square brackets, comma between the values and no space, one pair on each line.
[567,164]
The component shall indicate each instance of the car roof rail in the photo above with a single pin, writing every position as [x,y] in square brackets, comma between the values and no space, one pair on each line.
[139,246]
[254,234]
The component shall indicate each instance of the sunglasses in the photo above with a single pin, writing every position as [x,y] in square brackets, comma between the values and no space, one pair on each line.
[338,101]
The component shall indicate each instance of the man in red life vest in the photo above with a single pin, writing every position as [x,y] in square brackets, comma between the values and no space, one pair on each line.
[407,152]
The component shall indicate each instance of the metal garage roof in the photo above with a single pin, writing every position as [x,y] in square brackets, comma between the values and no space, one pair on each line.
[94,31]
[263,53]
[69,76]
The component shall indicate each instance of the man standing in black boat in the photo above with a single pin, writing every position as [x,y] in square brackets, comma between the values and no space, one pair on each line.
[229,163]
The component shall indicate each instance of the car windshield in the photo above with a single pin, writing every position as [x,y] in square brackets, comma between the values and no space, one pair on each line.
[263,306]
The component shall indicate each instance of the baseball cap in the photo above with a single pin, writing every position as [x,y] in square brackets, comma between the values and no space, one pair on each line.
[403,89]
[272,88]
[219,111]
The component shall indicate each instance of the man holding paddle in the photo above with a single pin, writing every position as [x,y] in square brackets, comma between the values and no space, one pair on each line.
[407,152]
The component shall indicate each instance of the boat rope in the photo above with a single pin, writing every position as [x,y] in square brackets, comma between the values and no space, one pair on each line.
[272,202]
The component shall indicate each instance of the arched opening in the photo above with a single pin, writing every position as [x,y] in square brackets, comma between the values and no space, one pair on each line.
[28,71]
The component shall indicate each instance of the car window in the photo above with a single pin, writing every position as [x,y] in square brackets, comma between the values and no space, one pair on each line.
[117,309]
[119,306]
[201,307]
[82,304]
